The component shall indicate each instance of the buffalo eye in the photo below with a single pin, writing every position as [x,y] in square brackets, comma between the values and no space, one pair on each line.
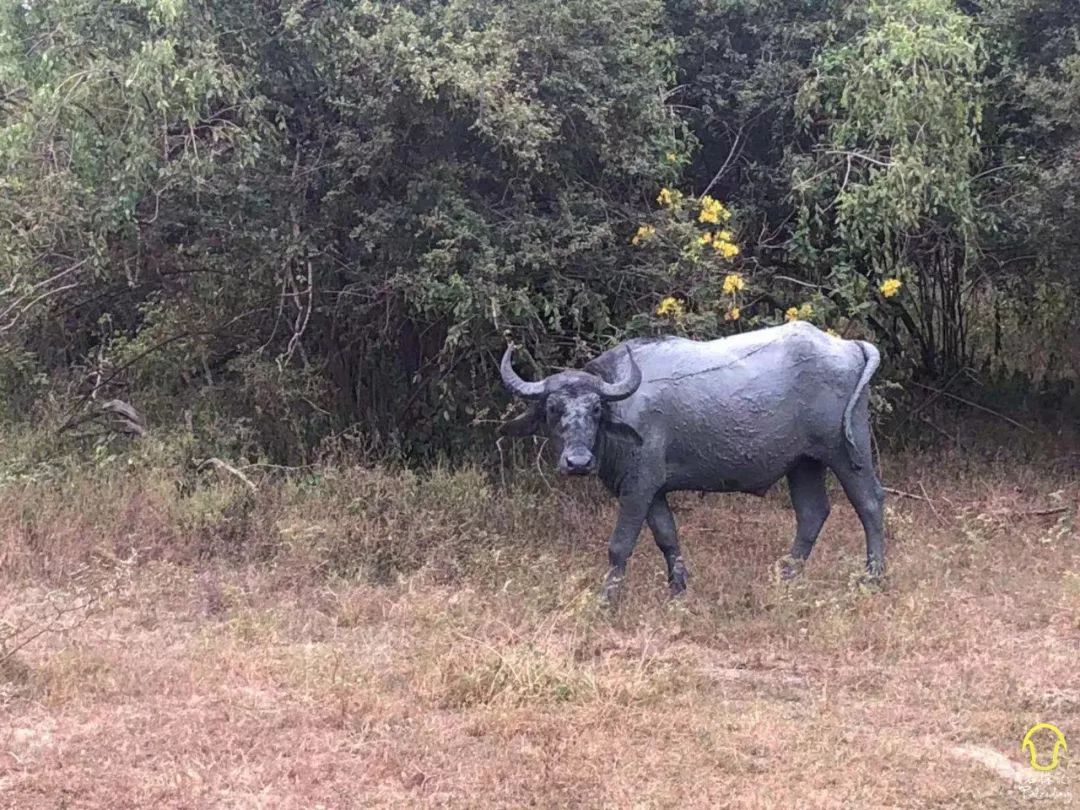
[596,409]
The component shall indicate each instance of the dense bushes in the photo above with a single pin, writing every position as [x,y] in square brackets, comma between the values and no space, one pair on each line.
[270,223]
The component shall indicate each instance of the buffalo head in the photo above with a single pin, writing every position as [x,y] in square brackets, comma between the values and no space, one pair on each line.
[571,407]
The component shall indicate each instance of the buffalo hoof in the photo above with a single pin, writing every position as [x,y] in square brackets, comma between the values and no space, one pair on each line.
[612,590]
[874,575]
[677,578]
[872,579]
[789,568]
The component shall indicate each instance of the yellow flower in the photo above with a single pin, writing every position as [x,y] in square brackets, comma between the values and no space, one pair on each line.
[890,287]
[733,282]
[732,314]
[832,332]
[665,197]
[726,249]
[672,157]
[724,236]
[670,306]
[705,238]
[713,210]
[792,314]
[708,212]
[805,311]
[643,233]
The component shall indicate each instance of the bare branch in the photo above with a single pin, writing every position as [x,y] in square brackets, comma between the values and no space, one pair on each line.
[735,151]
[36,293]
[65,611]
[303,314]
[859,156]
[800,283]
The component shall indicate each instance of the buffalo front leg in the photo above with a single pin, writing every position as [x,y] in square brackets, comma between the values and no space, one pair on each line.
[632,511]
[662,524]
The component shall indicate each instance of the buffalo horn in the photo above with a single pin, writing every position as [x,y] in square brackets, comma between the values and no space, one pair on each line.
[523,389]
[623,388]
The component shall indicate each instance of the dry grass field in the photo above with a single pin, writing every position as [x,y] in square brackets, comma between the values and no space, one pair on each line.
[353,639]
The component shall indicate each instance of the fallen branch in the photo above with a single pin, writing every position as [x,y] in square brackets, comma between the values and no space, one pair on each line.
[924,498]
[221,466]
[125,418]
[1057,510]
[502,463]
[268,466]
[16,637]
[942,432]
[932,399]
[131,420]
[976,406]
[901,494]
[930,503]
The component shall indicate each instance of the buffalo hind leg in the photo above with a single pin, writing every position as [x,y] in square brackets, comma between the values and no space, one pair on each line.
[662,524]
[806,485]
[866,495]
[632,512]
[855,469]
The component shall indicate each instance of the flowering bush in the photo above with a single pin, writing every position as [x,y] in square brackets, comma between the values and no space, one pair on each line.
[692,242]
[890,287]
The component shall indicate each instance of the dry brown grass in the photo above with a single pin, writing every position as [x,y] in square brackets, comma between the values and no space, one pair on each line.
[319,644]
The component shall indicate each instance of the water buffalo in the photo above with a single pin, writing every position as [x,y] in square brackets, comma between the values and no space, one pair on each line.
[657,415]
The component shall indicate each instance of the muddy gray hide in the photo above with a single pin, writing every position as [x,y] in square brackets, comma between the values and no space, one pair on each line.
[729,415]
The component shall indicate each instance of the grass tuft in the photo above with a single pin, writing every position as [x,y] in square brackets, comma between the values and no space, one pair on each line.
[408,640]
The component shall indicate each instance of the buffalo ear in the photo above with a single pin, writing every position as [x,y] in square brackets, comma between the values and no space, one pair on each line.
[618,429]
[528,424]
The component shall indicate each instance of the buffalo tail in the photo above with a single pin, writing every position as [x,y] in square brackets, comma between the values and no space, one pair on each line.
[871,361]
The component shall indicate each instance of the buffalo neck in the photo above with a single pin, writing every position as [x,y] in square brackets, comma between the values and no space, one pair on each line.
[616,461]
